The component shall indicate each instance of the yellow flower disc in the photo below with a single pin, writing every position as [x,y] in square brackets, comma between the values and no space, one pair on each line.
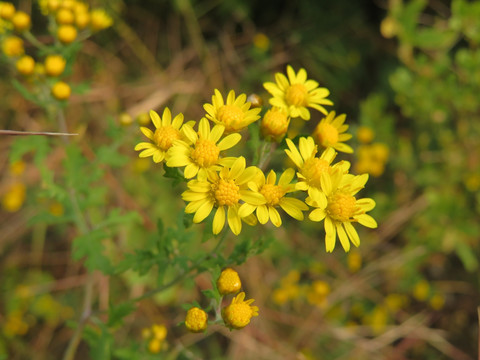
[25,65]
[237,315]
[54,65]
[275,124]
[7,10]
[61,91]
[226,192]
[231,116]
[296,95]
[327,134]
[64,17]
[272,193]
[21,21]
[341,206]
[205,153]
[165,136]
[13,46]
[229,282]
[66,33]
[155,345]
[312,170]
[196,320]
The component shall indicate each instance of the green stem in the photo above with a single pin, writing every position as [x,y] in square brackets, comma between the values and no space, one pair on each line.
[34,41]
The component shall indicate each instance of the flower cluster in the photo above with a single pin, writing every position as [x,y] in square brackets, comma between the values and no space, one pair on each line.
[233,192]
[236,315]
[69,21]
[155,335]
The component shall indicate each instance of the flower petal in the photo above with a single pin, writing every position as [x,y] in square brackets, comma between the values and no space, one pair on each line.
[218,220]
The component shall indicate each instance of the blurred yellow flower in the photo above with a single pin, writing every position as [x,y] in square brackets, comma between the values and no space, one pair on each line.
[61,90]
[12,46]
[354,261]
[330,132]
[261,41]
[274,198]
[341,208]
[237,315]
[196,320]
[229,282]
[372,159]
[202,151]
[421,290]
[7,10]
[365,134]
[64,17]
[14,324]
[166,132]
[296,93]
[235,114]
[66,34]
[25,65]
[318,292]
[100,20]
[21,21]
[224,191]
[14,198]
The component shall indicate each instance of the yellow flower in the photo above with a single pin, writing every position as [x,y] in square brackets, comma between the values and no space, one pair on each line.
[21,21]
[275,197]
[196,320]
[237,315]
[421,290]
[224,191]
[365,134]
[318,292]
[66,34]
[354,261]
[61,90]
[64,17]
[12,46]
[296,93]
[14,198]
[7,10]
[82,19]
[155,345]
[17,168]
[275,124]
[372,159]
[159,331]
[229,282]
[100,20]
[261,41]
[330,132]
[204,152]
[54,65]
[341,208]
[313,172]
[166,132]
[25,65]
[235,114]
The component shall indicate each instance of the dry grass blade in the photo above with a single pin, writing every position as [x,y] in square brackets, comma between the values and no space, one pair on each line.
[28,133]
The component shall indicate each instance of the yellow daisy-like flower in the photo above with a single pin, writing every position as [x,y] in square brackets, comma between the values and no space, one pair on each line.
[313,172]
[341,208]
[202,152]
[229,282]
[237,315]
[275,197]
[196,320]
[166,132]
[330,132]
[296,93]
[235,114]
[223,190]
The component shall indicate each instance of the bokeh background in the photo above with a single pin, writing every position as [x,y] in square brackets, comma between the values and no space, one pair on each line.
[406,73]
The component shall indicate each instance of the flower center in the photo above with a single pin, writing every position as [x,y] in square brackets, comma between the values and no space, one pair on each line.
[272,193]
[275,123]
[297,95]
[226,192]
[165,136]
[313,169]
[327,134]
[205,153]
[341,206]
[238,315]
[231,116]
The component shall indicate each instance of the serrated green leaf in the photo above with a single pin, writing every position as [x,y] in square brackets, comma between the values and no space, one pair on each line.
[90,247]
[117,313]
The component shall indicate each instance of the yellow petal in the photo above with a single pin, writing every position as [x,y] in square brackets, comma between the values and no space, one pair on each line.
[203,211]
[274,216]
[342,235]
[262,214]
[219,220]
[234,221]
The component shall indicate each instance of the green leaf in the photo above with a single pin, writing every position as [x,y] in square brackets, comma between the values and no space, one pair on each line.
[90,246]
[23,145]
[109,155]
[117,313]
[25,93]
[467,256]
[116,218]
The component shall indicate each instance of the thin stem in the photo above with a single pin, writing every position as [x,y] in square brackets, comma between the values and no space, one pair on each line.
[34,41]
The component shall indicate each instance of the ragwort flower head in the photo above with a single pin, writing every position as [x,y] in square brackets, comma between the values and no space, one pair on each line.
[313,172]
[275,124]
[237,315]
[229,282]
[196,320]
[202,151]
[224,191]
[330,132]
[274,195]
[296,93]
[340,209]
[166,132]
[235,114]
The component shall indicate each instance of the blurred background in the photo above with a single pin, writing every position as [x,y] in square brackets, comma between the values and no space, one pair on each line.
[406,73]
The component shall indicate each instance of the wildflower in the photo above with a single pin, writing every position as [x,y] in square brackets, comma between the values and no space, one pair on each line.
[66,34]
[313,171]
[318,292]
[61,90]
[235,114]
[54,65]
[82,19]
[143,119]
[275,124]
[12,46]
[196,320]
[421,290]
[17,167]
[204,153]
[296,93]
[14,198]
[25,65]
[437,302]
[224,191]
[229,282]
[7,10]
[330,132]
[166,132]
[275,197]
[64,17]
[289,288]
[15,324]
[237,315]
[125,119]
[156,334]
[155,345]
[341,208]
[372,159]
[365,134]
[56,209]
[100,20]
[261,41]
[395,302]
[354,261]
[21,21]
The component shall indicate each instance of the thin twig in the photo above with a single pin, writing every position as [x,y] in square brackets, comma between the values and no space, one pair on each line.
[43,133]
